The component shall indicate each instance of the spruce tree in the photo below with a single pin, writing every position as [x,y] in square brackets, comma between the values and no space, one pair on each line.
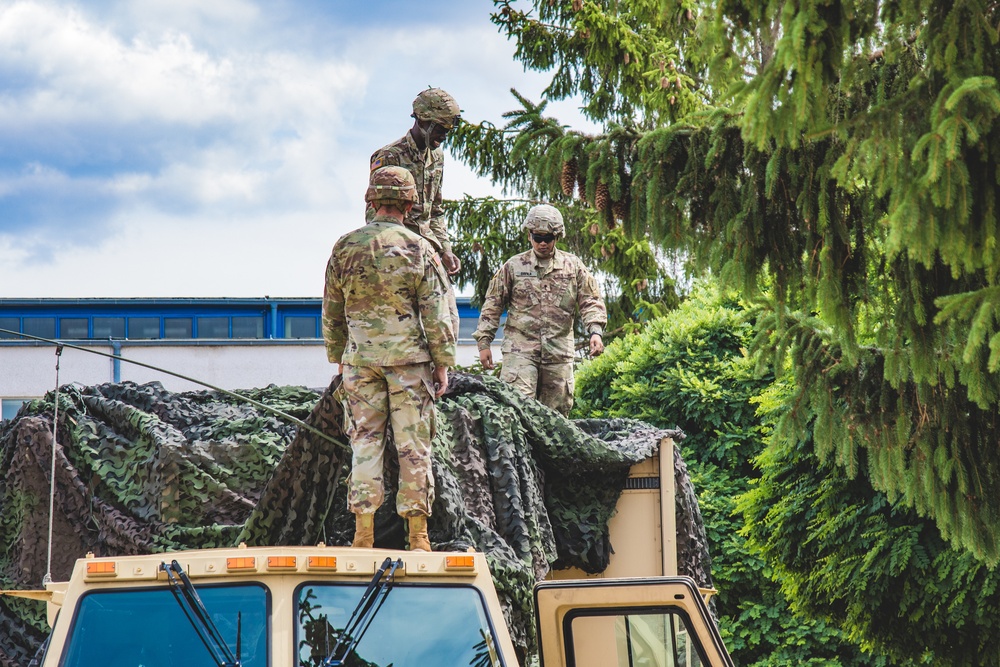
[836,160]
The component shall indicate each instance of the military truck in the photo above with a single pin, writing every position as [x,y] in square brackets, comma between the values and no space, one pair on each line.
[327,606]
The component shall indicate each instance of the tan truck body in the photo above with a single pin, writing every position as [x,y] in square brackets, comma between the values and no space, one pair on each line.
[637,612]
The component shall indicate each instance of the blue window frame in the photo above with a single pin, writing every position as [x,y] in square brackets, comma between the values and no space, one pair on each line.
[301,326]
[143,327]
[213,327]
[11,324]
[74,327]
[177,327]
[109,327]
[248,327]
[43,327]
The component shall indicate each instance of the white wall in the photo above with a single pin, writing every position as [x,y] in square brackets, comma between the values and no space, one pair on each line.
[29,370]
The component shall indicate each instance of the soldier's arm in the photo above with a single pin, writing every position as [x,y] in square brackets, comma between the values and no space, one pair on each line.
[439,224]
[334,319]
[593,312]
[497,297]
[434,313]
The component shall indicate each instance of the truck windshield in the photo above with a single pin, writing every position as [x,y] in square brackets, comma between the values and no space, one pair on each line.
[418,625]
[127,628]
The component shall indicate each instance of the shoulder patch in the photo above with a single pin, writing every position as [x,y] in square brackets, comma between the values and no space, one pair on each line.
[377,162]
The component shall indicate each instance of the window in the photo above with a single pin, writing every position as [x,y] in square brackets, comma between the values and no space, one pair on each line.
[622,639]
[429,625]
[213,327]
[10,406]
[466,326]
[148,627]
[177,327]
[298,326]
[10,323]
[248,327]
[143,327]
[43,327]
[73,327]
[109,327]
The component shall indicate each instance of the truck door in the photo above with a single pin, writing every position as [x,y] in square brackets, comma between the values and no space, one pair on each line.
[651,622]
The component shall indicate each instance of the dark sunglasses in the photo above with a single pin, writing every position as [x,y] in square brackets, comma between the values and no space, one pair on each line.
[543,238]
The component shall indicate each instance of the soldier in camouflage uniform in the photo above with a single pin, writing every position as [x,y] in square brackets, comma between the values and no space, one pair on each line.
[435,113]
[385,320]
[541,290]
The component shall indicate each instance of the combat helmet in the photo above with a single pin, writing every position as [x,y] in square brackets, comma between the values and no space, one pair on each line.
[544,219]
[438,107]
[391,183]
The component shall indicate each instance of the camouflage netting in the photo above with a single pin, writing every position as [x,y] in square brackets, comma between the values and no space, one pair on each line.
[140,470]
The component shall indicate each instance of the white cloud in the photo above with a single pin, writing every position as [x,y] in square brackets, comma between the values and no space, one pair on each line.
[83,73]
[190,148]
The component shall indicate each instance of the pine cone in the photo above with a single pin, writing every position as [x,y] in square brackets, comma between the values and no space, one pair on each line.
[577,5]
[581,184]
[595,229]
[602,198]
[568,178]
[620,209]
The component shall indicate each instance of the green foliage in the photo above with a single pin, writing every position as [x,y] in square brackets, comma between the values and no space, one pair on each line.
[839,155]
[635,286]
[842,550]
[839,159]
[691,370]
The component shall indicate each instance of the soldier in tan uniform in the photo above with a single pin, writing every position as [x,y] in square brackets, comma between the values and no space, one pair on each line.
[435,113]
[542,290]
[385,320]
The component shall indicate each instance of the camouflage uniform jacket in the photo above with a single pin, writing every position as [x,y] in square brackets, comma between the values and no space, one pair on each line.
[427,215]
[384,302]
[541,299]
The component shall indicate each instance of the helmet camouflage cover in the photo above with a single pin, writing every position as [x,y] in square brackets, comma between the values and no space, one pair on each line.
[438,107]
[544,219]
[391,183]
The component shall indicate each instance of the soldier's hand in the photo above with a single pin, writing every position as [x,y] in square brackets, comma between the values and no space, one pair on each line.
[486,358]
[440,381]
[451,262]
[596,345]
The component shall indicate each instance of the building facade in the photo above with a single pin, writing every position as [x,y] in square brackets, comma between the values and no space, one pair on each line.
[228,343]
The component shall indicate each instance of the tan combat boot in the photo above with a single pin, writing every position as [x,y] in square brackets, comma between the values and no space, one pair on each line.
[418,533]
[364,531]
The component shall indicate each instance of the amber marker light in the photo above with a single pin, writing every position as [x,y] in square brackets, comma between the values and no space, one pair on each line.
[281,562]
[322,562]
[105,568]
[241,563]
[460,562]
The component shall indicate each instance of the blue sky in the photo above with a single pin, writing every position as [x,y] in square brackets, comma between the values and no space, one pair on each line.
[193,148]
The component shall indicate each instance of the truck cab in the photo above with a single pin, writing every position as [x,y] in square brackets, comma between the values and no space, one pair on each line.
[328,606]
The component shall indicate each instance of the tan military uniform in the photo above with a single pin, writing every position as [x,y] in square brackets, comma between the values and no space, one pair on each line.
[427,215]
[427,168]
[542,298]
[385,320]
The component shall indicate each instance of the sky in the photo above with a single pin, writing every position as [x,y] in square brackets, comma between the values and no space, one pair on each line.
[193,148]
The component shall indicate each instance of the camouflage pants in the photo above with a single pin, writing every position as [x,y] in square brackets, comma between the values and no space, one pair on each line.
[400,398]
[550,383]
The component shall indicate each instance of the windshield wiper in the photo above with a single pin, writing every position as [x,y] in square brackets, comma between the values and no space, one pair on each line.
[369,604]
[198,616]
